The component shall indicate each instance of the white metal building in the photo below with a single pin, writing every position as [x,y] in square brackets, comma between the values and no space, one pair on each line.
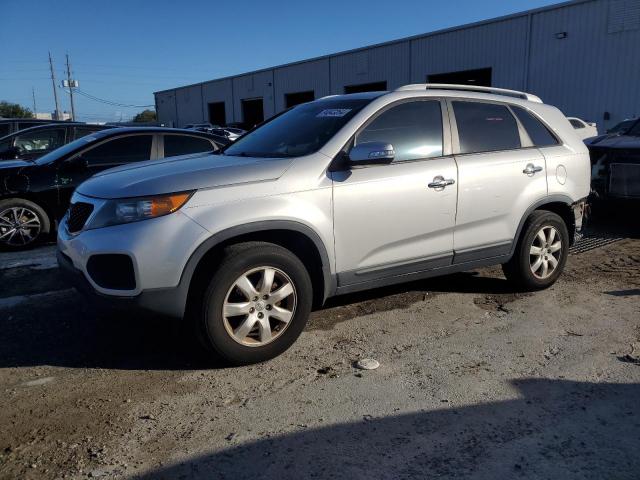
[582,56]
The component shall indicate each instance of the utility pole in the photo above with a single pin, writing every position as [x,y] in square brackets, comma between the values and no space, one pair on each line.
[33,93]
[71,84]
[55,92]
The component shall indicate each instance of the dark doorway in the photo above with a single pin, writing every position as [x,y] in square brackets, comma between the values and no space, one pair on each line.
[252,112]
[366,87]
[217,114]
[291,99]
[480,77]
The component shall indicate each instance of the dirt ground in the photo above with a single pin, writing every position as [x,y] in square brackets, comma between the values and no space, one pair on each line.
[475,380]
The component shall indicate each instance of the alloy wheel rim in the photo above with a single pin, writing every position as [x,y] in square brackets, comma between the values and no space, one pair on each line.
[259,306]
[19,226]
[545,251]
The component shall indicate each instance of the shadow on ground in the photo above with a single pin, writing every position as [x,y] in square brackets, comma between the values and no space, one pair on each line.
[60,329]
[556,429]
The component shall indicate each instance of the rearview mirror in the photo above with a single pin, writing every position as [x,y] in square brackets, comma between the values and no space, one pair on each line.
[372,153]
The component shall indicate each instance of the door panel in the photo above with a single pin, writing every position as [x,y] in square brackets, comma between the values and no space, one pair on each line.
[387,221]
[494,194]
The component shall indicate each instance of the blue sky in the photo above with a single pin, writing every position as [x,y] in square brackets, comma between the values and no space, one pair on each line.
[123,51]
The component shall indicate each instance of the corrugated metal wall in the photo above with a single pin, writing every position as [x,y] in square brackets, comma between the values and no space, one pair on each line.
[500,45]
[593,70]
[218,91]
[254,85]
[189,105]
[389,63]
[301,77]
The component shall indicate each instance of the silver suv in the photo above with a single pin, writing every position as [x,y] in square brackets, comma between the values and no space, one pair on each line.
[345,193]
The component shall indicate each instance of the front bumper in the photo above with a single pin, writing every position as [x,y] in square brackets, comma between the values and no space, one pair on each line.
[164,301]
[156,251]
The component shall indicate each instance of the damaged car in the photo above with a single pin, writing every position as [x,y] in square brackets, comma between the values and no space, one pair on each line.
[34,194]
[615,164]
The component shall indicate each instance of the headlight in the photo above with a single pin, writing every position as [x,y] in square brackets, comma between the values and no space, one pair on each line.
[127,210]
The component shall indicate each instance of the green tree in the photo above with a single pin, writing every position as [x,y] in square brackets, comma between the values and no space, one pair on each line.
[145,116]
[13,110]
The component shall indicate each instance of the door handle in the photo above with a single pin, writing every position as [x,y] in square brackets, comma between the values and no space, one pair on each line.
[530,169]
[440,182]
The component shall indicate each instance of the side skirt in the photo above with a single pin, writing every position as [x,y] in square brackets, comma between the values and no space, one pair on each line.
[469,264]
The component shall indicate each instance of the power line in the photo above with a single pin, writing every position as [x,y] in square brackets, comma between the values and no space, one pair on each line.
[109,102]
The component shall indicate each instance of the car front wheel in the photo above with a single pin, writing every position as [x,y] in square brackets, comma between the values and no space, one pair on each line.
[22,223]
[257,303]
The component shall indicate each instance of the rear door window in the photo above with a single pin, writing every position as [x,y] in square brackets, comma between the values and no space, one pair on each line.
[485,127]
[175,145]
[413,128]
[132,148]
[4,129]
[83,131]
[538,132]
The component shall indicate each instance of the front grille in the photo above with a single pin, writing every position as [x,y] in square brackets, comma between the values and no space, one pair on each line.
[78,214]
[624,180]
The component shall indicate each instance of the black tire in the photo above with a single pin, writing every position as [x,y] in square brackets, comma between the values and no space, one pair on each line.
[235,262]
[43,219]
[519,268]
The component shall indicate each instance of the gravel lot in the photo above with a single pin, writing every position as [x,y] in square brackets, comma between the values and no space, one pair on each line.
[475,380]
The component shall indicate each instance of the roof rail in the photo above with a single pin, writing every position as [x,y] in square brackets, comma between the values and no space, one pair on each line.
[471,88]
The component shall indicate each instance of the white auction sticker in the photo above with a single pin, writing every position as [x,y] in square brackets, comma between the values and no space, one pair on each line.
[333,112]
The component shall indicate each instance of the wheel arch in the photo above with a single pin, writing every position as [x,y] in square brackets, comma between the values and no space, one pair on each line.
[300,239]
[558,204]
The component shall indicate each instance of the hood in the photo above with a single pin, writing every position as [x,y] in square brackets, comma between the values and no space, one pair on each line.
[177,174]
[615,141]
[7,164]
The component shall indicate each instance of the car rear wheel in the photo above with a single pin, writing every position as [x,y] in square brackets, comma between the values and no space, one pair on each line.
[257,303]
[541,252]
[22,223]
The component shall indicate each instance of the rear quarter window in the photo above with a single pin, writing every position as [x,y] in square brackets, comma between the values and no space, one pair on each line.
[538,132]
[175,145]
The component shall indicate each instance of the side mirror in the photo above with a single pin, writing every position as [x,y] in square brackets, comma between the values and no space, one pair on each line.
[372,153]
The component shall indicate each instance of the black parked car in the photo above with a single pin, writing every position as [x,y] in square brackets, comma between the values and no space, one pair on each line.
[622,127]
[34,194]
[31,143]
[10,125]
[615,164]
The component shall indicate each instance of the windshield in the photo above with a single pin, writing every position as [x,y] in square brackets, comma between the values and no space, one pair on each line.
[635,130]
[66,149]
[302,130]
